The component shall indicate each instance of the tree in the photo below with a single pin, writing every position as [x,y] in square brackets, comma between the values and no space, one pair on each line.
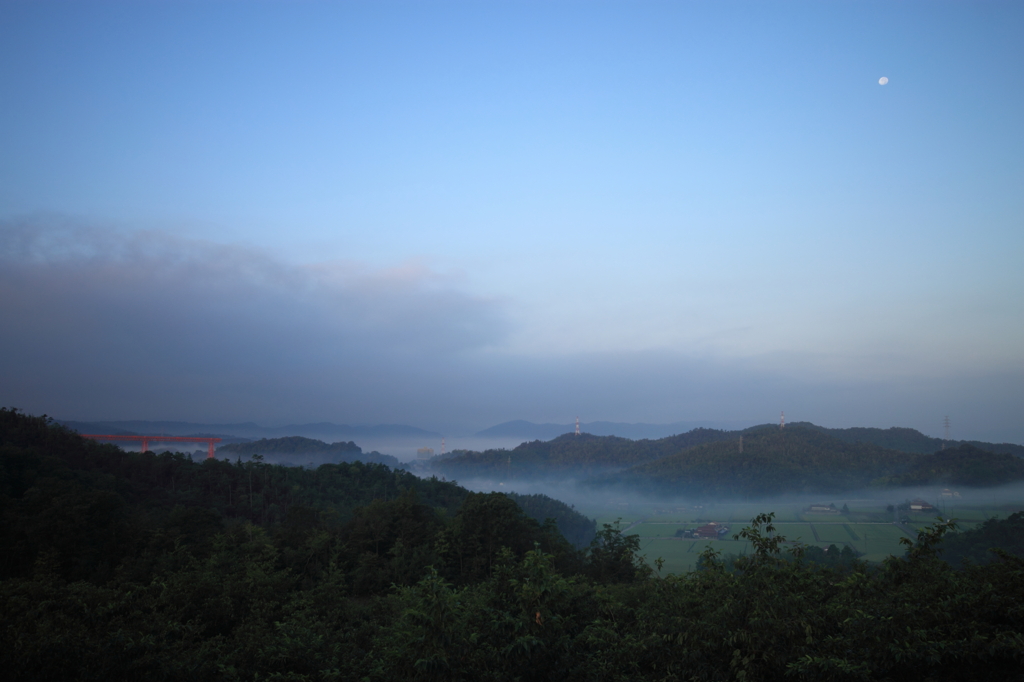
[615,558]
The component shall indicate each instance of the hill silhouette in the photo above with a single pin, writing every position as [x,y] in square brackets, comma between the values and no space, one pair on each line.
[965,465]
[296,449]
[773,461]
[803,457]
[528,431]
[908,440]
[568,454]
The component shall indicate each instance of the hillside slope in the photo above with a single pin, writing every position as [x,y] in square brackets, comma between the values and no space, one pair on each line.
[908,440]
[296,450]
[568,455]
[773,461]
[961,466]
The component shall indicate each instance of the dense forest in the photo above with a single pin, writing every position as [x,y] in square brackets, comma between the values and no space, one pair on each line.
[985,543]
[773,461]
[130,566]
[574,527]
[909,440]
[965,465]
[296,450]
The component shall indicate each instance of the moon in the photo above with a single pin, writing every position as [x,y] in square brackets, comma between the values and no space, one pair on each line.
[883,80]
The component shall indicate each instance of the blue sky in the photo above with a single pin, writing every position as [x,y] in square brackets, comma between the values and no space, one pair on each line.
[454,214]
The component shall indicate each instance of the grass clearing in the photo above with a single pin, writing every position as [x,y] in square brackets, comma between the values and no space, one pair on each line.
[833,533]
[794,531]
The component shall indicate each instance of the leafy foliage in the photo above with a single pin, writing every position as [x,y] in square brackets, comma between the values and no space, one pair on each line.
[1006,536]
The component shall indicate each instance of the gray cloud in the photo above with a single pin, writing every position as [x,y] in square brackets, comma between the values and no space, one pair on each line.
[107,324]
[117,315]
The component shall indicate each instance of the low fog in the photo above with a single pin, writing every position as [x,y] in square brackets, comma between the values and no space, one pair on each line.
[586,499]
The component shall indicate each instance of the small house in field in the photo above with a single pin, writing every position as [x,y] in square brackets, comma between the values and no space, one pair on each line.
[822,509]
[708,532]
[918,504]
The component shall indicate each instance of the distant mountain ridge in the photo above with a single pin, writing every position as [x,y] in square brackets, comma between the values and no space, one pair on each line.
[528,431]
[908,440]
[249,429]
[768,460]
[569,455]
[802,459]
[894,438]
[771,461]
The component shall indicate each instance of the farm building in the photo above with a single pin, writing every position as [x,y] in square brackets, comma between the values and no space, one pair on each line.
[711,531]
[822,509]
[918,504]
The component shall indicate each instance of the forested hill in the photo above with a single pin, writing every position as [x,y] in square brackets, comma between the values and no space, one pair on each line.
[290,445]
[823,459]
[961,466]
[773,461]
[908,440]
[93,507]
[296,449]
[575,527]
[569,454]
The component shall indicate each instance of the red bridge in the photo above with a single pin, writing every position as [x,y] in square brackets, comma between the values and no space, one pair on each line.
[160,439]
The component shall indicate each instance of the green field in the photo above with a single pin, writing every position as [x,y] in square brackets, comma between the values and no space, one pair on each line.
[836,533]
[624,518]
[659,529]
[790,531]
[867,528]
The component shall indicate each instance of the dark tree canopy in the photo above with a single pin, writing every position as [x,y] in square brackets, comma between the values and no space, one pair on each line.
[129,566]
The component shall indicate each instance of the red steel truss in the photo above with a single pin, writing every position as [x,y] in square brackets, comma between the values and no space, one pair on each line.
[160,439]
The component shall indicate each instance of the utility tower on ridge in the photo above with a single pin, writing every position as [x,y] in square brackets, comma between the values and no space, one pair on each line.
[577,426]
[442,445]
[782,420]
[945,433]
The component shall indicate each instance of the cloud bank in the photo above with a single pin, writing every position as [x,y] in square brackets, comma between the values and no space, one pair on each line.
[107,317]
[101,323]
